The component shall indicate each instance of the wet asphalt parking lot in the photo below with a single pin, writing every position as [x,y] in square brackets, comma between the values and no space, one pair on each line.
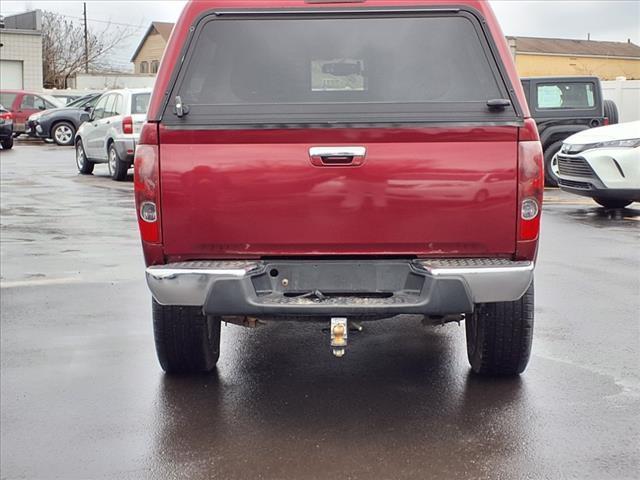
[83,397]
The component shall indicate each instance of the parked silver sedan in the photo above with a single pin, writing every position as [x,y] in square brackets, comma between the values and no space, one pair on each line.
[112,132]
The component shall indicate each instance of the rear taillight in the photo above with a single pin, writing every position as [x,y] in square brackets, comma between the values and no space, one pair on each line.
[7,116]
[530,190]
[147,184]
[605,121]
[127,125]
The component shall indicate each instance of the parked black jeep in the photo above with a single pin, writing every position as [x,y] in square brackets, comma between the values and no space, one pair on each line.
[563,106]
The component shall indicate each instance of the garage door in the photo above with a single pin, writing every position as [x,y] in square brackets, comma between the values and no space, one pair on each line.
[11,74]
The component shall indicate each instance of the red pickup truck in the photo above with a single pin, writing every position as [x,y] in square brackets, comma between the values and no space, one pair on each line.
[339,162]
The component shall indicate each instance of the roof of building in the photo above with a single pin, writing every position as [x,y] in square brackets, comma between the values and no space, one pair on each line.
[163,28]
[565,46]
[29,21]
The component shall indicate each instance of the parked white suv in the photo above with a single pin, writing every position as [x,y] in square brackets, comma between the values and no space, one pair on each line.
[603,163]
[112,132]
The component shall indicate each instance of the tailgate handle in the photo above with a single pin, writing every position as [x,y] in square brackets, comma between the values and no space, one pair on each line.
[337,156]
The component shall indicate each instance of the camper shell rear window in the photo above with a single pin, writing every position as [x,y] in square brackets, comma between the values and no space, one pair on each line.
[397,67]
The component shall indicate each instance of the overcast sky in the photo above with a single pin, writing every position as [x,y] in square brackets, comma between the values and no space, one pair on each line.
[614,20]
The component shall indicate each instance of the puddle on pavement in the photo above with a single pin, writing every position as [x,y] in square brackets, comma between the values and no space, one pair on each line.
[605,217]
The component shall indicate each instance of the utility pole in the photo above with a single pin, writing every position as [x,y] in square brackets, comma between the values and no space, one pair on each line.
[86,40]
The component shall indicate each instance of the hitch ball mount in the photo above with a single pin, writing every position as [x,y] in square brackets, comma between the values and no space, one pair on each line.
[339,336]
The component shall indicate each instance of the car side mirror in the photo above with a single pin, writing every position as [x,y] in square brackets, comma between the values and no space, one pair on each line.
[42,107]
[92,113]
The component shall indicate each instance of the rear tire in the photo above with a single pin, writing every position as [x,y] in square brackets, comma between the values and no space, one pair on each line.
[611,111]
[551,164]
[499,336]
[186,340]
[612,203]
[7,144]
[63,134]
[117,168]
[85,166]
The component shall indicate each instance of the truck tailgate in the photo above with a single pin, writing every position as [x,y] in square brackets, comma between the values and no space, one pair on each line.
[256,193]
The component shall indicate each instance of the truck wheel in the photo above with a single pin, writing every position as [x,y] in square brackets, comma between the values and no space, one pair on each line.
[7,144]
[85,166]
[551,164]
[499,336]
[611,111]
[117,168]
[63,134]
[612,203]
[186,340]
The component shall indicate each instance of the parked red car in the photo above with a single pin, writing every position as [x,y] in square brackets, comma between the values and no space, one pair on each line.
[23,104]
[339,162]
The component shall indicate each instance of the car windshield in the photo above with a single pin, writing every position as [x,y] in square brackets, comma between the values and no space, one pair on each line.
[7,99]
[53,100]
[80,102]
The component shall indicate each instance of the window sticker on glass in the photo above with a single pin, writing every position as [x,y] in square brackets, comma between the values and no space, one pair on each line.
[338,75]
[549,96]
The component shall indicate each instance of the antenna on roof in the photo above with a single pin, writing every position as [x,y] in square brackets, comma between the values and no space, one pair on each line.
[588,36]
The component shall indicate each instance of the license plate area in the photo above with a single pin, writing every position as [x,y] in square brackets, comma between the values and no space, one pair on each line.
[379,279]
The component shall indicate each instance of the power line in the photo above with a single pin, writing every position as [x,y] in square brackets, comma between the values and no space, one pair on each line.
[138,27]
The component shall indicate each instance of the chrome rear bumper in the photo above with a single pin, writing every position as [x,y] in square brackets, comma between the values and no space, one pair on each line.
[349,287]
[188,283]
[489,280]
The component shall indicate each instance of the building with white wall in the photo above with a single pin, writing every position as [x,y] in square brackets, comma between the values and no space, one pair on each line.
[626,94]
[21,52]
[111,81]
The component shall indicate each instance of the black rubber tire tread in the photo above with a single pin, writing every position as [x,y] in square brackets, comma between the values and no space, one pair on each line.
[87,168]
[73,133]
[549,179]
[611,111]
[186,340]
[504,335]
[121,167]
[7,144]
[612,202]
